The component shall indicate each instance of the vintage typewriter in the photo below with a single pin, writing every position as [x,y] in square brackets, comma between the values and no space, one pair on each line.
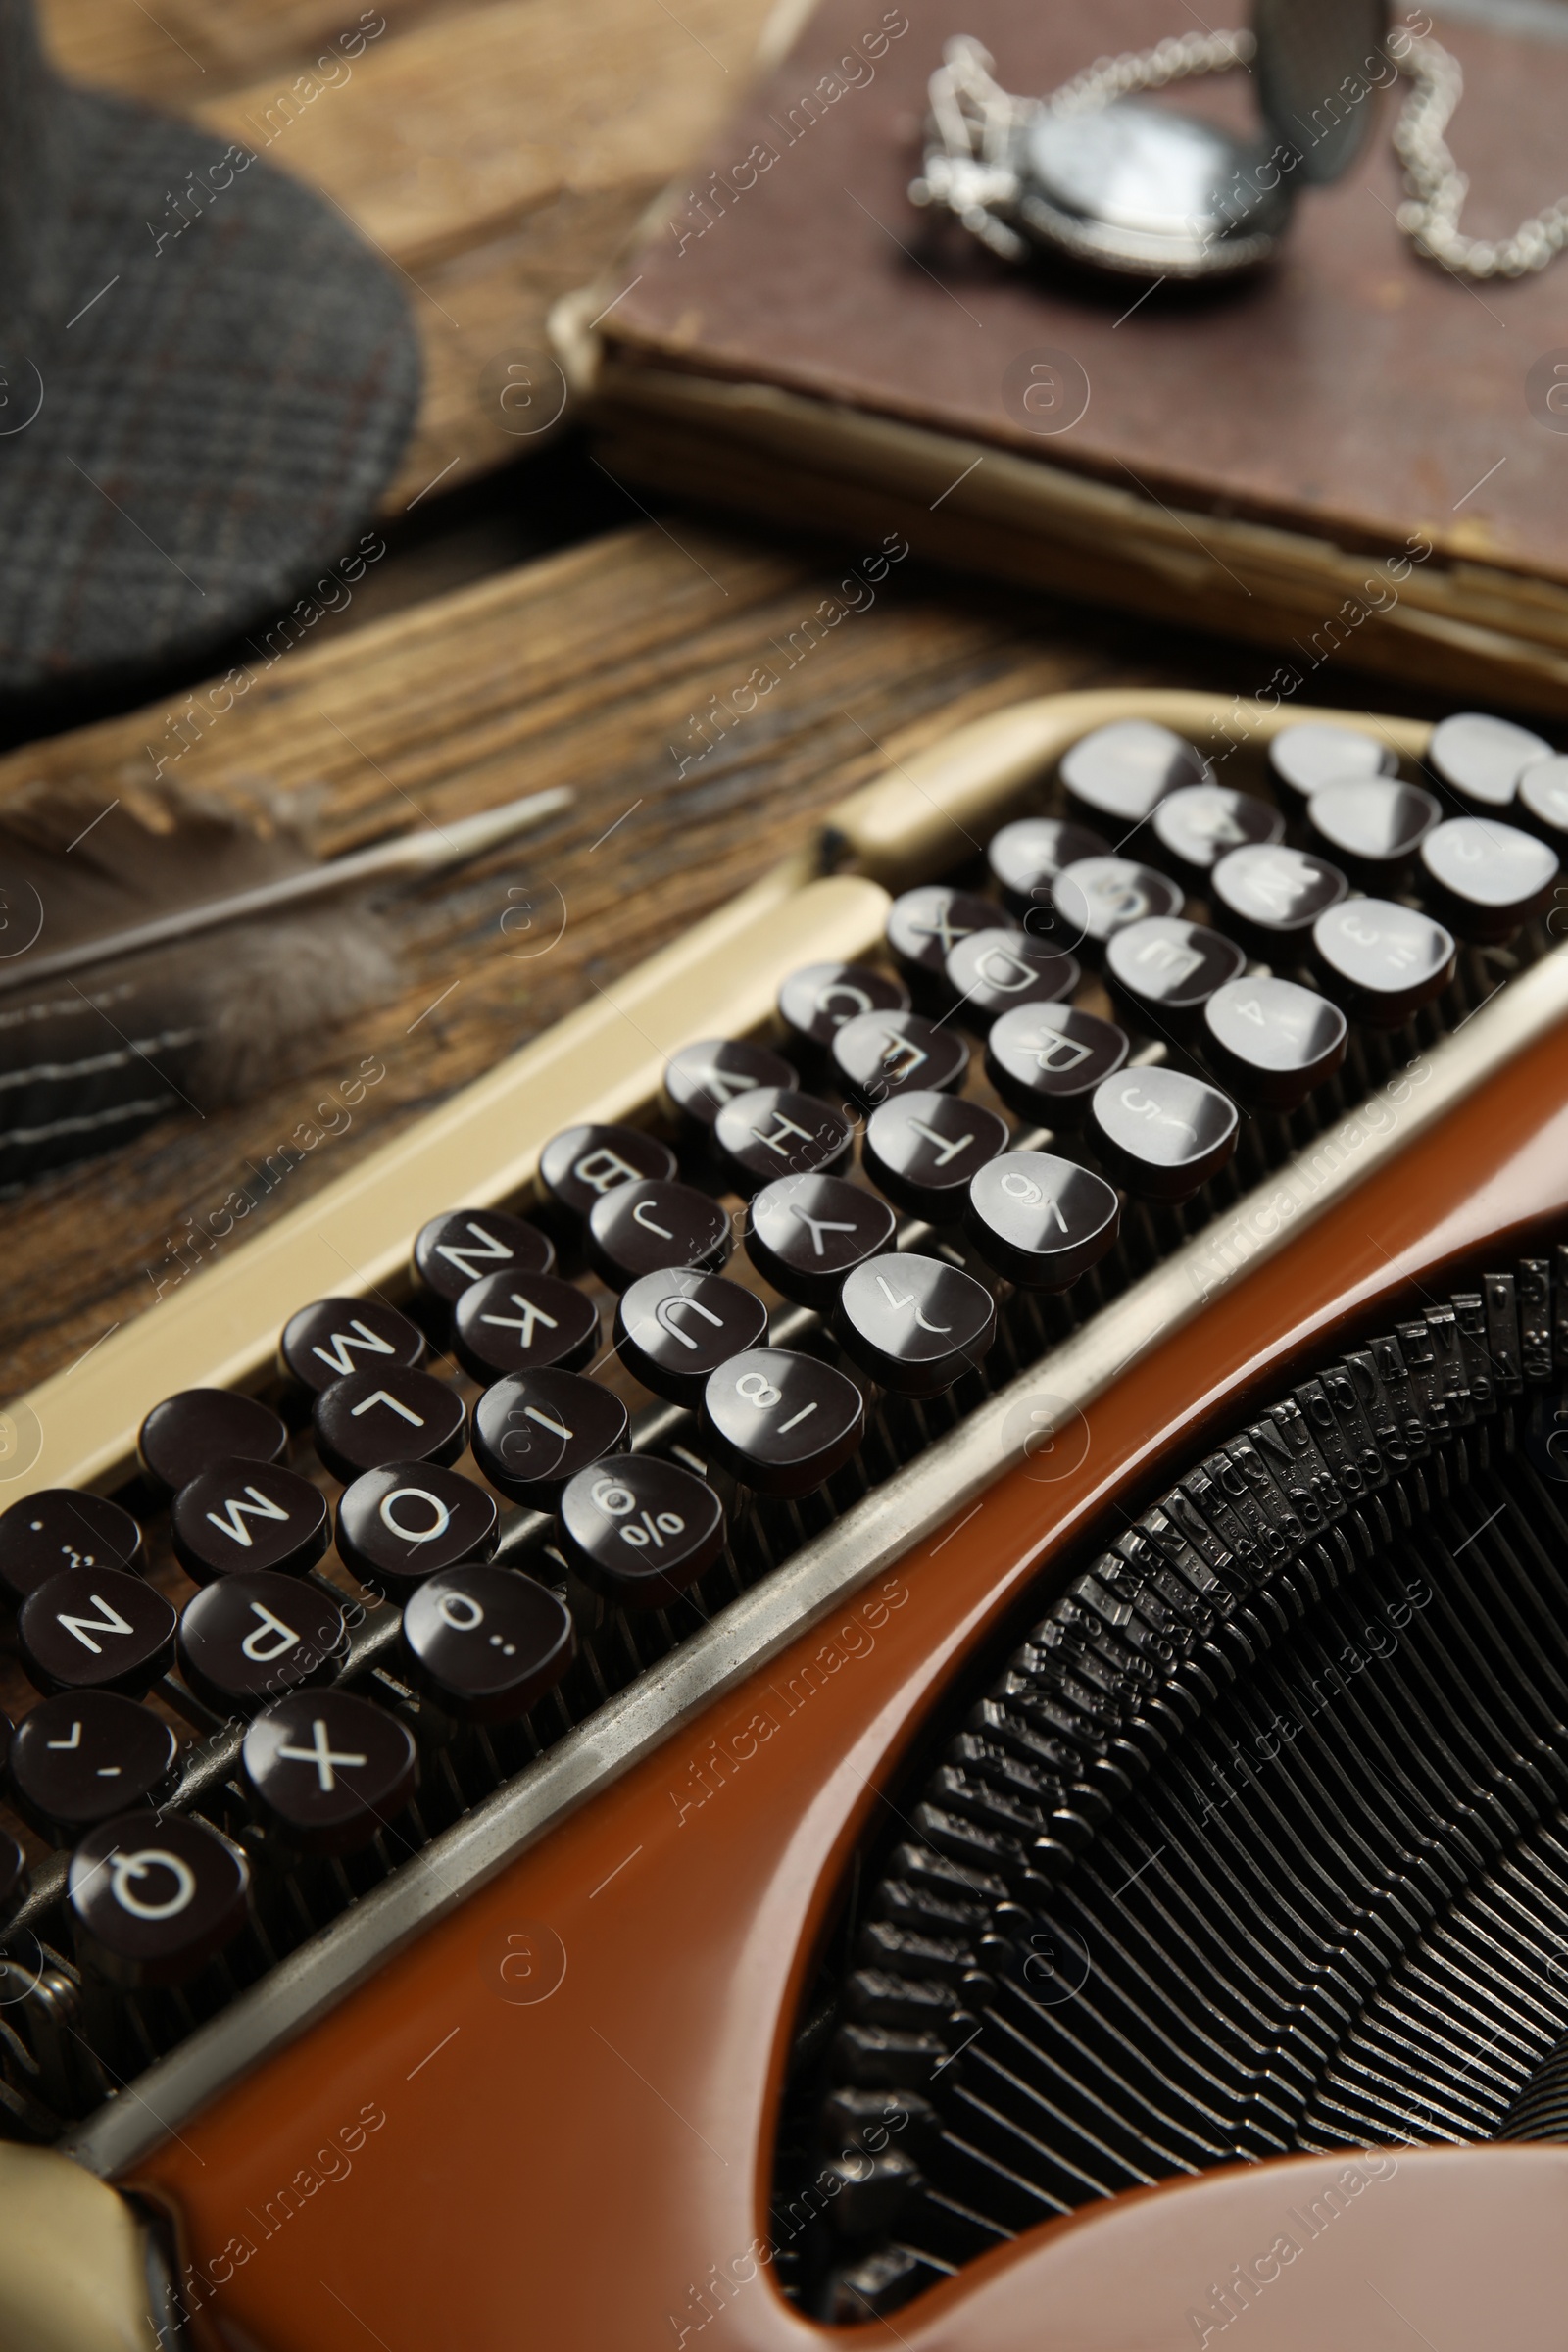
[879,1643]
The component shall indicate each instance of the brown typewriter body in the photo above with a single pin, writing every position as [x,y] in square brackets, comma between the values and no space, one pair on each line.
[550,2117]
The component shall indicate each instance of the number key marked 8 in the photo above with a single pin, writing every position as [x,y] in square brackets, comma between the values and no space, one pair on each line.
[782,1423]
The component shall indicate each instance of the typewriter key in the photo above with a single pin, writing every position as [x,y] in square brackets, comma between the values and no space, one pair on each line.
[924,926]
[1038,1220]
[880,1053]
[774,1132]
[516,1323]
[334,1337]
[1161,1133]
[1483,758]
[249,1639]
[184,1434]
[1273,896]
[1045,1061]
[242,1515]
[701,1079]
[991,971]
[154,1897]
[466,1245]
[57,1529]
[639,1531]
[1383,961]
[642,1228]
[86,1755]
[1164,971]
[806,1232]
[398,1525]
[1272,1041]
[1543,797]
[329,1770]
[1123,770]
[1373,825]
[1488,878]
[1026,858]
[581,1165]
[914,1324]
[95,1629]
[1306,758]
[923,1151]
[782,1423]
[1100,896]
[1206,821]
[488,1643]
[815,1002]
[673,1328]
[534,1431]
[376,1418]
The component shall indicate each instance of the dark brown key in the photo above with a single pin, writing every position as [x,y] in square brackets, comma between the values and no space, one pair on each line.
[1486,878]
[1543,798]
[153,1897]
[1045,1060]
[642,1228]
[534,1431]
[398,1525]
[488,1643]
[1481,757]
[992,971]
[331,1338]
[815,1002]
[1040,1220]
[1304,757]
[376,1418]
[524,1322]
[240,1516]
[1203,822]
[774,1132]
[1120,772]
[924,1152]
[58,1528]
[1026,858]
[1271,897]
[782,1423]
[199,1426]
[1373,826]
[1161,1133]
[924,926]
[581,1165]
[95,1629]
[806,1232]
[881,1053]
[673,1328]
[639,1530]
[466,1245]
[86,1755]
[329,1770]
[1101,896]
[1272,1042]
[916,1324]
[1382,961]
[1162,972]
[247,1639]
[701,1079]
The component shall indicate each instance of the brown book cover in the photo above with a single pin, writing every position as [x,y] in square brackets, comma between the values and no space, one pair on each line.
[1355,441]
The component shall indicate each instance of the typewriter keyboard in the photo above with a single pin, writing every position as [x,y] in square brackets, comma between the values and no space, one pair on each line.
[326,1622]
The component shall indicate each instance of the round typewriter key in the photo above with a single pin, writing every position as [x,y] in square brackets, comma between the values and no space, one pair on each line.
[1045,1060]
[466,1245]
[675,1327]
[1165,970]
[1271,897]
[57,1529]
[924,926]
[914,1324]
[1483,758]
[249,1639]
[1101,896]
[701,1079]
[806,1232]
[96,1629]
[184,1434]
[1373,826]
[1027,856]
[640,1530]
[1383,961]
[924,1152]
[642,1228]
[522,1322]
[782,1423]
[1161,1133]
[488,1641]
[815,1002]
[86,1755]
[378,1417]
[1206,821]
[1304,757]
[1488,878]
[1543,797]
[401,1524]
[334,1337]
[992,971]
[239,1516]
[536,1430]
[774,1132]
[581,1165]
[1123,770]
[879,1054]
[1038,1220]
[330,1769]
[154,1897]
[1273,1041]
